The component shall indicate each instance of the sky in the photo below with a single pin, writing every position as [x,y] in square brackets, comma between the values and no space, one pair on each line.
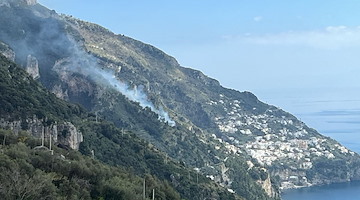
[246,44]
[288,53]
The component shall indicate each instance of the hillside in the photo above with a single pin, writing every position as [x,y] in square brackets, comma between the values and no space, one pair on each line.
[27,108]
[229,136]
[274,138]
[30,173]
[55,173]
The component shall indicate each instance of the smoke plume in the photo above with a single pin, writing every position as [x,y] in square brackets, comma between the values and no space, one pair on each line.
[43,34]
[85,64]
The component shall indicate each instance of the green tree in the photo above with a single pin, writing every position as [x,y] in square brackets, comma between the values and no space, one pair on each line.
[14,184]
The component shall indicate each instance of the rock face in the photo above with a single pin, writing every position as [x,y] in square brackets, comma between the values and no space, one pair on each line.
[31,2]
[17,2]
[4,3]
[59,93]
[32,67]
[267,186]
[68,135]
[6,51]
[64,133]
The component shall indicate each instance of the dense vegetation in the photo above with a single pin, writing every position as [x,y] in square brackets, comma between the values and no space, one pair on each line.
[22,97]
[47,38]
[85,177]
[124,114]
[27,173]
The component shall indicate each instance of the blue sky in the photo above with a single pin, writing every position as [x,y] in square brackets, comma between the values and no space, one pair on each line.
[258,46]
[246,44]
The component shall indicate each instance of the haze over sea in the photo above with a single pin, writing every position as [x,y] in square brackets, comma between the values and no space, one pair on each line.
[340,191]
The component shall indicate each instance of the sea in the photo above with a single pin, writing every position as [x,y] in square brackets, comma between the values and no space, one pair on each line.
[333,112]
[339,191]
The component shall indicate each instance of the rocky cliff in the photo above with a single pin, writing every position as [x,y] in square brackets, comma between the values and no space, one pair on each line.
[30,2]
[32,67]
[65,134]
[6,51]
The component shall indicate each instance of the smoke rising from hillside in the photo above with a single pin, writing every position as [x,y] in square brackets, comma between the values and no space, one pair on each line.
[136,94]
[49,42]
[85,64]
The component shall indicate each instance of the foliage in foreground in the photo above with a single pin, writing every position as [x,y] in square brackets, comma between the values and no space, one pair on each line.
[27,173]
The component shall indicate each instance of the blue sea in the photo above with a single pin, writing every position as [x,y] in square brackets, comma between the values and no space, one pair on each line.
[333,112]
[340,191]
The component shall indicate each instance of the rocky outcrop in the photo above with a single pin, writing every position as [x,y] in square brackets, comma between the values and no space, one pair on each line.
[59,93]
[66,68]
[69,136]
[4,3]
[30,2]
[18,2]
[64,133]
[6,51]
[32,67]
[267,186]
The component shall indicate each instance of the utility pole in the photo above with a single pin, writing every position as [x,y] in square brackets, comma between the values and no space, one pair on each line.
[153,197]
[4,140]
[42,136]
[93,154]
[197,177]
[144,195]
[52,152]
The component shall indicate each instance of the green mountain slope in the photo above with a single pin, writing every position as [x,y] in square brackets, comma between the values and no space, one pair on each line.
[23,98]
[229,136]
[28,173]
[188,145]
[274,138]
[293,152]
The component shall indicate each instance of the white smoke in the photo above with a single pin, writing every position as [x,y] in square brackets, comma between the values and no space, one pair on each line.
[49,38]
[137,94]
[84,64]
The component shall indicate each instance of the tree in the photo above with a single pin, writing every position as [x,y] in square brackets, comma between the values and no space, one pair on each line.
[14,184]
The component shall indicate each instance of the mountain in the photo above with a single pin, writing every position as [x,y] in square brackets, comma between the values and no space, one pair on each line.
[231,137]
[30,113]
[36,170]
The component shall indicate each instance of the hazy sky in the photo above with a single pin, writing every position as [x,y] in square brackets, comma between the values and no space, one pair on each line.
[246,44]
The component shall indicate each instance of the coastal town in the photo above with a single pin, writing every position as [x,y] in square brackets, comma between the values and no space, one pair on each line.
[274,141]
